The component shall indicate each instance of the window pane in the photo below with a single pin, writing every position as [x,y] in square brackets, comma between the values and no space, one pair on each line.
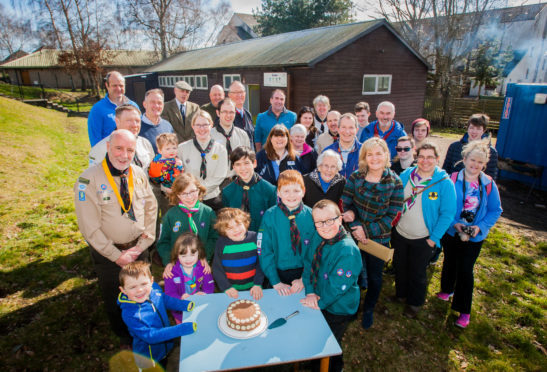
[235,77]
[383,83]
[191,81]
[205,82]
[369,84]
[226,81]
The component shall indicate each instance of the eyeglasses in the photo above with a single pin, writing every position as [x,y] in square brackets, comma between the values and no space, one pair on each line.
[328,167]
[188,194]
[202,126]
[402,149]
[328,222]
[421,157]
[238,93]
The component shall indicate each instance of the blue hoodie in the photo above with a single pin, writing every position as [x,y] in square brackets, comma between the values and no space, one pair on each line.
[398,131]
[149,325]
[438,203]
[489,209]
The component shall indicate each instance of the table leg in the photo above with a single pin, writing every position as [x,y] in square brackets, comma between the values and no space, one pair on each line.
[324,365]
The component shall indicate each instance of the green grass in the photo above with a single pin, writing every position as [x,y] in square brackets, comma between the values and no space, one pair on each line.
[51,315]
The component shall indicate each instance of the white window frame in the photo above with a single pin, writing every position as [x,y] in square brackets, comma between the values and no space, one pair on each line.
[168,81]
[377,79]
[199,79]
[231,78]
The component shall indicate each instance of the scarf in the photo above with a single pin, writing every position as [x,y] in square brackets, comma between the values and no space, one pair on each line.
[246,186]
[203,167]
[335,137]
[341,234]
[189,212]
[295,233]
[385,136]
[226,135]
[416,184]
[124,195]
[322,121]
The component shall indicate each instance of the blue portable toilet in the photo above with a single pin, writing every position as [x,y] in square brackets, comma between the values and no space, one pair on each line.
[522,136]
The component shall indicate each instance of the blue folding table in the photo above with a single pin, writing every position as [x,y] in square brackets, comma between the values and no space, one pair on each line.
[304,337]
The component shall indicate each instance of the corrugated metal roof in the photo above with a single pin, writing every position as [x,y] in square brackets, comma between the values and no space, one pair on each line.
[45,58]
[298,48]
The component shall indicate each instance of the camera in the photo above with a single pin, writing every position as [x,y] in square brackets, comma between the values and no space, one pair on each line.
[466,234]
[468,216]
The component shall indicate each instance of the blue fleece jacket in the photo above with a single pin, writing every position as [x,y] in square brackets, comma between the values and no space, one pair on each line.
[353,158]
[265,121]
[149,326]
[398,131]
[100,121]
[438,203]
[489,209]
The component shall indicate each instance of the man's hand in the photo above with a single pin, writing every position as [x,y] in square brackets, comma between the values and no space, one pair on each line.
[128,256]
[311,301]
[430,242]
[297,285]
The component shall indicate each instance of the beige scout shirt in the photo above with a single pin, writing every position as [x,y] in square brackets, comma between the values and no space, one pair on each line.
[412,223]
[144,151]
[99,213]
[217,165]
[239,138]
[323,141]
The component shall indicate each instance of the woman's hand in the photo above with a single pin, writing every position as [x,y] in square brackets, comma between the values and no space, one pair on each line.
[476,230]
[359,233]
[348,216]
[430,242]
[206,267]
[297,286]
[311,301]
[167,272]
[458,226]
[232,292]
[256,292]
[282,289]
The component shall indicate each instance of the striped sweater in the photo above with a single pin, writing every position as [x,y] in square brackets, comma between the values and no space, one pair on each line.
[236,264]
[375,204]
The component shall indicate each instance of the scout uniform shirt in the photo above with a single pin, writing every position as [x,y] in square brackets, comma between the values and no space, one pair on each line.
[238,138]
[99,213]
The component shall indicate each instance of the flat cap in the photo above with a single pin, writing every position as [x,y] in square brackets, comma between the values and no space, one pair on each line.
[181,84]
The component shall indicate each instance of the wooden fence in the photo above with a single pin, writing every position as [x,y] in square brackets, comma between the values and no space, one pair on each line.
[460,109]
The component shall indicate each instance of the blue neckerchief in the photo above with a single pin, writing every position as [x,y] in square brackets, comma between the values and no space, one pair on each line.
[275,167]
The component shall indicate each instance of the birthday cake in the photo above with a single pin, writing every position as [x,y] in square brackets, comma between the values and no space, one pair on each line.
[243,315]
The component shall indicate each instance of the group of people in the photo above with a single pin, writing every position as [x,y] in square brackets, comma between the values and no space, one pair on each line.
[285,203]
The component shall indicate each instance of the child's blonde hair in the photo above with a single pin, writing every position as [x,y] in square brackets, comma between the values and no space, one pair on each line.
[166,139]
[289,177]
[187,242]
[481,147]
[226,215]
[182,181]
[134,270]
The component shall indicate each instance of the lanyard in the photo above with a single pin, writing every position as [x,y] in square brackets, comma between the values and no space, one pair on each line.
[377,130]
[115,188]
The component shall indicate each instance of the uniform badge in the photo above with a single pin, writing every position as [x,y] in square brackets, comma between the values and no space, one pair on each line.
[306,241]
[214,157]
[325,275]
[261,213]
[291,162]
[103,187]
[83,180]
[202,225]
[200,279]
[348,274]
[81,196]
[433,195]
[340,272]
[82,186]
[344,287]
[176,280]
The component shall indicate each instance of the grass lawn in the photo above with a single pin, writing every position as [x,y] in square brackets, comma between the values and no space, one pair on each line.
[51,315]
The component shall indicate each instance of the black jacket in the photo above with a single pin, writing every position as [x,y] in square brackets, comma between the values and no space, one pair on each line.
[314,191]
[454,155]
[265,168]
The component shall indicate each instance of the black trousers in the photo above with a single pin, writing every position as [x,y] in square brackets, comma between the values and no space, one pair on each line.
[457,273]
[338,325]
[215,203]
[107,273]
[410,261]
[287,276]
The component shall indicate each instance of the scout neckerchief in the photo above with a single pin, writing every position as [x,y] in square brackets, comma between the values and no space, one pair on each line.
[203,167]
[322,122]
[341,234]
[335,137]
[220,129]
[125,195]
[385,136]
[189,212]
[246,186]
[295,233]
[189,280]
[339,149]
[416,184]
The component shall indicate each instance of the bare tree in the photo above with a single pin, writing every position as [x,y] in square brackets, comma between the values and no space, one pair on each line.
[15,33]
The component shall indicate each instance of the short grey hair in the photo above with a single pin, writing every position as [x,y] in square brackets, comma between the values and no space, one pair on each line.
[386,103]
[330,154]
[321,99]
[298,129]
[349,115]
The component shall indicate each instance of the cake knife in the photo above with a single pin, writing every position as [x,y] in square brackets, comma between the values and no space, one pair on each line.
[279,322]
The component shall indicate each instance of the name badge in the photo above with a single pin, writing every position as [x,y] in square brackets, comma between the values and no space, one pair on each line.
[290,162]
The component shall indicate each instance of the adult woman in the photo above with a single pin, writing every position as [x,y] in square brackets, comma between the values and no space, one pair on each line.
[277,155]
[308,156]
[478,209]
[205,158]
[321,106]
[372,198]
[305,117]
[428,210]
[325,182]
[347,145]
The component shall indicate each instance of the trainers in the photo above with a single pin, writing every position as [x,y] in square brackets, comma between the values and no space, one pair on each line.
[444,296]
[463,321]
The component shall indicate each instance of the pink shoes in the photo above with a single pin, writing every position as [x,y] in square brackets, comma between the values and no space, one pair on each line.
[463,321]
[444,296]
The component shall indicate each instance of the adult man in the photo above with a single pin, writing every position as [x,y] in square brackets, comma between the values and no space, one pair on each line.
[347,146]
[116,212]
[362,112]
[100,122]
[152,124]
[276,114]
[127,117]
[244,119]
[331,135]
[216,94]
[321,105]
[179,111]
[385,127]
[225,132]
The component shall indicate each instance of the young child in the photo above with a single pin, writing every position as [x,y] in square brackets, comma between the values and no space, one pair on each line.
[143,306]
[235,266]
[188,214]
[285,235]
[331,271]
[248,191]
[188,272]
[165,166]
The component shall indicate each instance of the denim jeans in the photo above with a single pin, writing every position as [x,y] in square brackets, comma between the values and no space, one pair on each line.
[373,268]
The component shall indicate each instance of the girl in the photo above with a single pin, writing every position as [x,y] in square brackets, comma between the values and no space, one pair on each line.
[478,209]
[188,277]
[188,214]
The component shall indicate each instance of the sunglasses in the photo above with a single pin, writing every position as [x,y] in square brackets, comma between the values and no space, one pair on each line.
[402,149]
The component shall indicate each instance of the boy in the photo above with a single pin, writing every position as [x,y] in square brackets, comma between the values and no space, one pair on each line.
[144,312]
[248,191]
[165,166]
[405,155]
[362,111]
[285,235]
[331,270]
[420,130]
[235,263]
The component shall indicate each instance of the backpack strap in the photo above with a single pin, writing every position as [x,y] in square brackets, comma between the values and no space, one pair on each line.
[489,186]
[454,177]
